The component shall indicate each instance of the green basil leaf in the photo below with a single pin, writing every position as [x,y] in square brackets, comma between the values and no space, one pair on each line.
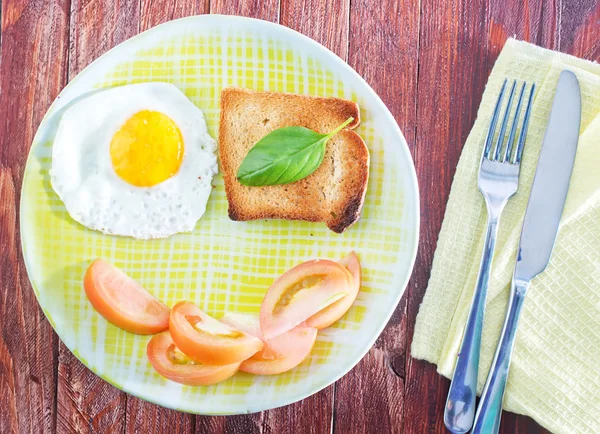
[284,156]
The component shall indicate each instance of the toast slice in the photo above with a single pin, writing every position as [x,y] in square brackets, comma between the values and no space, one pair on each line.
[333,194]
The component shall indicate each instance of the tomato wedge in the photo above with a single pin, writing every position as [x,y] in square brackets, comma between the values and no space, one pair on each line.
[279,354]
[332,313]
[172,364]
[123,301]
[208,340]
[300,293]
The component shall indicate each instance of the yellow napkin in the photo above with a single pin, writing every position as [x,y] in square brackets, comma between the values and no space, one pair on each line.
[555,370]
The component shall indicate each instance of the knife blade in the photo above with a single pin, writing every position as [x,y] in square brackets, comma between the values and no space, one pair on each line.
[538,234]
[551,181]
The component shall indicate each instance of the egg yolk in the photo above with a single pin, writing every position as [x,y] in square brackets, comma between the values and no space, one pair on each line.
[147,150]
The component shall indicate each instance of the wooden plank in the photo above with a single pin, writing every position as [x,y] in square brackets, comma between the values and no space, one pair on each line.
[325,21]
[579,29]
[384,43]
[312,415]
[370,398]
[155,12]
[452,49]
[144,417]
[261,9]
[97,26]
[305,417]
[383,49]
[86,403]
[532,21]
[247,424]
[33,65]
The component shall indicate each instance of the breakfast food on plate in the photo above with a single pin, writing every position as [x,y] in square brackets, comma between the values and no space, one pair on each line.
[208,340]
[122,301]
[285,155]
[325,317]
[279,354]
[135,160]
[176,366]
[199,350]
[300,293]
[333,194]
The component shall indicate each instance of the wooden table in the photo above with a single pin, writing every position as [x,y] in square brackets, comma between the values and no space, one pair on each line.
[429,62]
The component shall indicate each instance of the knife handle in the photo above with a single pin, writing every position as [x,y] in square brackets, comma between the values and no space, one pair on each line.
[460,404]
[487,418]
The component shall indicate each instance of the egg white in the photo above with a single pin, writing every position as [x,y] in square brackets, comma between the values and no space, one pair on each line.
[95,196]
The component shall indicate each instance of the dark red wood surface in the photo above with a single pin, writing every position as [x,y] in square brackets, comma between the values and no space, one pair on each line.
[428,60]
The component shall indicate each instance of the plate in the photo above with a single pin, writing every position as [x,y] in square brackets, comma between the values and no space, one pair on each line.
[223,265]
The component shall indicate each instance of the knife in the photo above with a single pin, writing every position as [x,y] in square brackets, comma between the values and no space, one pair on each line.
[540,226]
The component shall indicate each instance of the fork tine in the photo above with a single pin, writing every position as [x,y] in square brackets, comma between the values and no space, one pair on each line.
[500,139]
[492,128]
[513,129]
[523,134]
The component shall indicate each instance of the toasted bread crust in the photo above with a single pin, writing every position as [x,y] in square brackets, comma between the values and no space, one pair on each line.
[352,207]
[333,194]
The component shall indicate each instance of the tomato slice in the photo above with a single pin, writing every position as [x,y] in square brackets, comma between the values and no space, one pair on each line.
[332,313]
[208,340]
[300,293]
[279,354]
[172,364]
[123,301]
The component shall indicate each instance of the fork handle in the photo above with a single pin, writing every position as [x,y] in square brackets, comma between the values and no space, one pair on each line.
[460,405]
[487,419]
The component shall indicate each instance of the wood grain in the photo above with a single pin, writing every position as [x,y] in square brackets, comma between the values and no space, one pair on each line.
[97,26]
[429,62]
[86,403]
[579,28]
[144,417]
[307,417]
[450,84]
[325,21]
[250,424]
[155,12]
[261,9]
[33,65]
[532,21]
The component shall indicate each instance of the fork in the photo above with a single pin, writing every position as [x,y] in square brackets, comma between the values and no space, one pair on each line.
[498,181]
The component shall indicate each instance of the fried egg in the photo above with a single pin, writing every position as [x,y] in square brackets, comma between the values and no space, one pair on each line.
[135,160]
